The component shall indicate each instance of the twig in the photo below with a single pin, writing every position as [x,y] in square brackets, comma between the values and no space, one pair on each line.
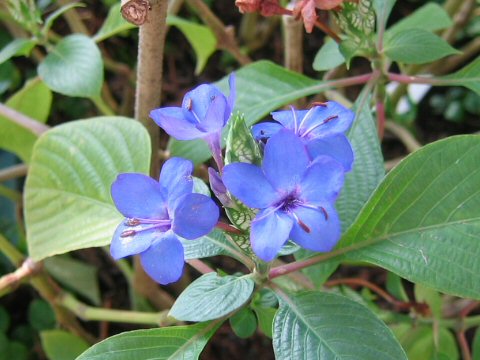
[326,29]
[460,20]
[225,37]
[11,281]
[293,43]
[73,19]
[200,266]
[404,136]
[20,119]
[13,172]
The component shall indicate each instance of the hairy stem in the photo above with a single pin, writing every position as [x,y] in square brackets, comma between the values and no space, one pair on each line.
[24,121]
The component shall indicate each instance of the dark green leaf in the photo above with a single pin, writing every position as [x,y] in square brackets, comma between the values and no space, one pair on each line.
[261,88]
[41,315]
[74,67]
[67,198]
[62,345]
[4,320]
[211,297]
[416,46]
[33,100]
[475,345]
[469,76]
[76,275]
[423,222]
[429,17]
[244,323]
[265,316]
[316,325]
[170,343]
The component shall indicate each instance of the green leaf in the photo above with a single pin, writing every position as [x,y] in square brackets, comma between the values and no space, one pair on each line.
[18,47]
[423,222]
[202,39]
[424,294]
[475,345]
[383,8]
[244,323]
[113,24]
[419,343]
[468,76]
[261,88]
[41,315]
[429,17]
[4,320]
[395,287]
[368,168]
[75,275]
[265,316]
[211,297]
[56,14]
[33,100]
[67,197]
[316,325]
[209,245]
[417,46]
[328,57]
[62,345]
[170,343]
[74,67]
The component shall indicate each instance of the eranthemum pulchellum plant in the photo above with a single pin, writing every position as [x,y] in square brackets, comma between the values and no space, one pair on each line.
[420,222]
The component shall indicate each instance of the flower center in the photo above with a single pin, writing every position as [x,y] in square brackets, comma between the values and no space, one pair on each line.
[135,223]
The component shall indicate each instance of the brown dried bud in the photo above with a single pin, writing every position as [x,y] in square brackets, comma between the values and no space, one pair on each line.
[135,11]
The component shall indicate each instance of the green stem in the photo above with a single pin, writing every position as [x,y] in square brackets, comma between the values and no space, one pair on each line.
[89,313]
[14,195]
[102,106]
[10,251]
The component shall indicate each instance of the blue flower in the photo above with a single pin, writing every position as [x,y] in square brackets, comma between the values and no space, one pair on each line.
[322,130]
[157,214]
[204,113]
[295,196]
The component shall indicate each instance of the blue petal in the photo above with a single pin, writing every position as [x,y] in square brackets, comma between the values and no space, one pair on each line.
[322,181]
[285,161]
[270,231]
[173,121]
[139,196]
[164,260]
[288,118]
[176,179]
[195,215]
[338,147]
[248,183]
[198,100]
[323,230]
[327,121]
[232,96]
[215,116]
[265,130]
[131,245]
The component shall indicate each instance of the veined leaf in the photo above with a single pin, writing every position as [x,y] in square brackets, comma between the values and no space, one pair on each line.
[316,325]
[211,297]
[67,195]
[423,222]
[169,343]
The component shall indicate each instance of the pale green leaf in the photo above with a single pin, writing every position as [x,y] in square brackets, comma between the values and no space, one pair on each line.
[383,8]
[62,345]
[416,46]
[316,325]
[17,47]
[202,39]
[74,67]
[67,196]
[169,343]
[211,297]
[33,100]
[113,24]
[328,57]
[423,222]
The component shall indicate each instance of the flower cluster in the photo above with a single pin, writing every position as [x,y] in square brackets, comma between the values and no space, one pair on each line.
[305,157]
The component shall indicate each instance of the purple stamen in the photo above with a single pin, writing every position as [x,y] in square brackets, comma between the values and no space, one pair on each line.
[327,120]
